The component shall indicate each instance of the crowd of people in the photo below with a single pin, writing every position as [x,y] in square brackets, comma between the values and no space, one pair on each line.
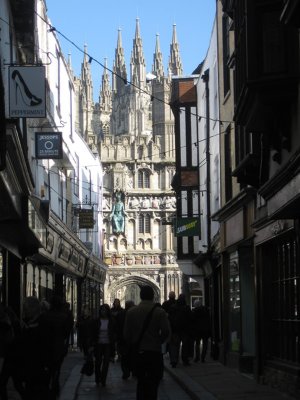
[172,327]
[32,350]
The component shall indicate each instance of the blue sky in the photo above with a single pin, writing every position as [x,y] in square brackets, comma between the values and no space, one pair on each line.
[96,23]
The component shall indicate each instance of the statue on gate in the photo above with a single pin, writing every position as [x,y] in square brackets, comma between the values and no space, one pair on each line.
[118,214]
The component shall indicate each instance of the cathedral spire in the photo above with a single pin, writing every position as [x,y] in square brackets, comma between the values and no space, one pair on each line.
[105,92]
[138,66]
[157,67]
[137,29]
[86,76]
[70,62]
[119,68]
[175,65]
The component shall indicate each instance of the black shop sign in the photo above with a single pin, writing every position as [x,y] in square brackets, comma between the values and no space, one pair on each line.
[48,145]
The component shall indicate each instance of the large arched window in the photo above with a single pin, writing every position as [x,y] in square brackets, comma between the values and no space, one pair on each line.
[144,179]
[144,223]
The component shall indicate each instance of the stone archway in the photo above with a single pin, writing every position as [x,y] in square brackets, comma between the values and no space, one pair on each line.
[128,288]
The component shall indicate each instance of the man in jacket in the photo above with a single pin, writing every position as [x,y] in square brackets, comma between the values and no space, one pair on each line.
[150,359]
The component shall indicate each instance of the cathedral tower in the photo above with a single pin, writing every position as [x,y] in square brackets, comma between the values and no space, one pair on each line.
[138,157]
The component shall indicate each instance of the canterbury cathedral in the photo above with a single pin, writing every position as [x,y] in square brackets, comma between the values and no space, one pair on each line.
[132,129]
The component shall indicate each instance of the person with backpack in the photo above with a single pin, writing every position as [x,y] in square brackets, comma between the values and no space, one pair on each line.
[146,328]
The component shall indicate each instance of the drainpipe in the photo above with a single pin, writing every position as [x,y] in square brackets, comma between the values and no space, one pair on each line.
[205,78]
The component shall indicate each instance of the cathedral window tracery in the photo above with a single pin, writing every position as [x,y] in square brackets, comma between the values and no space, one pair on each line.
[144,223]
[143,179]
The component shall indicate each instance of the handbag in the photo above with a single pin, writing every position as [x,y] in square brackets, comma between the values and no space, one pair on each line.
[135,346]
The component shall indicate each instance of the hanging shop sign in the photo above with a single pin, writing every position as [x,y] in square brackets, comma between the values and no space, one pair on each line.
[189,178]
[27,92]
[187,227]
[48,145]
[86,219]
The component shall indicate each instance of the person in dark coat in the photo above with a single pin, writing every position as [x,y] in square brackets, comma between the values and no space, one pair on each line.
[10,330]
[117,312]
[149,362]
[166,305]
[104,335]
[180,317]
[84,327]
[26,362]
[57,327]
[201,329]
[124,348]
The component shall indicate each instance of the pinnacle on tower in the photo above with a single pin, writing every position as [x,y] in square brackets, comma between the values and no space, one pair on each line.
[105,92]
[86,76]
[138,66]
[175,65]
[158,68]
[119,67]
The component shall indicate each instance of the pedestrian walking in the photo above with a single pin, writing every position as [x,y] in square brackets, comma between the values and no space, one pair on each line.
[27,361]
[57,325]
[166,305]
[180,316]
[126,366]
[104,338]
[84,326]
[10,330]
[201,330]
[117,312]
[147,327]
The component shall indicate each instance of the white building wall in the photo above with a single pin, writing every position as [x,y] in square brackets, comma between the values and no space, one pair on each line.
[79,165]
[213,194]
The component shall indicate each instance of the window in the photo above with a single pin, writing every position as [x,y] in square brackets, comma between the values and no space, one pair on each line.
[144,179]
[58,106]
[228,165]
[61,195]
[226,53]
[76,177]
[71,110]
[281,277]
[144,223]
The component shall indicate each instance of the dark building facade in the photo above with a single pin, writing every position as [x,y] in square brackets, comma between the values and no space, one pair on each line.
[259,217]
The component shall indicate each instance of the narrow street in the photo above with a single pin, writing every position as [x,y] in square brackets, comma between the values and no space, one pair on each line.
[116,388]
[199,381]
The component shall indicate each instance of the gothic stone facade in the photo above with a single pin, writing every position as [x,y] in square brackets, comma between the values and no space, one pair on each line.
[132,127]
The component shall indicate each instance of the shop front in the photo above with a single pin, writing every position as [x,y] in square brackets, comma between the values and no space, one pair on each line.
[237,346]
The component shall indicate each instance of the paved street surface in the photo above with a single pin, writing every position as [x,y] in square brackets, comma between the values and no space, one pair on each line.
[116,388]
[199,381]
[84,388]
